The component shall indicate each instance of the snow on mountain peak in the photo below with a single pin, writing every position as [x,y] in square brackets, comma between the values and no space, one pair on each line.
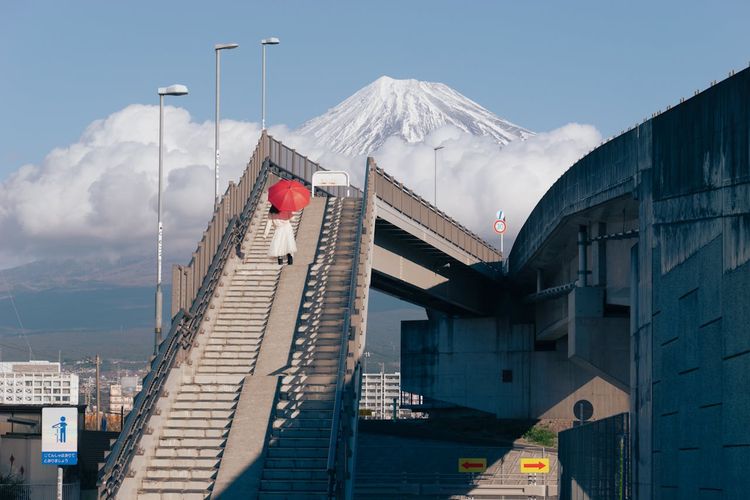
[409,109]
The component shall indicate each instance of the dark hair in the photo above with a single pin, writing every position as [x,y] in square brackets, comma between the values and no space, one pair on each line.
[273,210]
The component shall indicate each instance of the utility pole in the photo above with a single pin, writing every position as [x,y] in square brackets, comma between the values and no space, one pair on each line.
[98,396]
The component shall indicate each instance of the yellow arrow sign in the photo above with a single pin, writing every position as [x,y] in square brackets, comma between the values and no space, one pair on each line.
[540,465]
[472,464]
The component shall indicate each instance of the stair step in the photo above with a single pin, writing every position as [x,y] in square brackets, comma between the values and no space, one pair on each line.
[306,396]
[230,354]
[295,463]
[303,423]
[186,453]
[233,342]
[293,413]
[309,387]
[301,432]
[226,369]
[206,432]
[201,414]
[285,441]
[192,442]
[148,495]
[197,474]
[185,463]
[188,387]
[287,495]
[207,396]
[187,425]
[190,486]
[311,486]
[296,474]
[283,452]
[204,405]
[229,359]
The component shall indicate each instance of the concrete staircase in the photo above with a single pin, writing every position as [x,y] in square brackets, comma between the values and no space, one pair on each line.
[192,438]
[297,449]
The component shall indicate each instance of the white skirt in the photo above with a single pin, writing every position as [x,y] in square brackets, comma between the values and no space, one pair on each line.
[283,239]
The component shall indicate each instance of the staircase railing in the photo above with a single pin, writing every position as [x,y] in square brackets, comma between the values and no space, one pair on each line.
[406,201]
[342,431]
[178,342]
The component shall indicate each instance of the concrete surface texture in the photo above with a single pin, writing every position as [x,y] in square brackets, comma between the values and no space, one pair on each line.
[682,181]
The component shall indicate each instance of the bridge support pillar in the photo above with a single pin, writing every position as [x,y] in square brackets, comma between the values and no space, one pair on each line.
[595,342]
[582,271]
[599,257]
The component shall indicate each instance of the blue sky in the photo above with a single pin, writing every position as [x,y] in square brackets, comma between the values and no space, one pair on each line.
[539,64]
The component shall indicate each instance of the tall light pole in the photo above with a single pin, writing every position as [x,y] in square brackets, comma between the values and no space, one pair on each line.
[434,200]
[171,90]
[266,41]
[218,48]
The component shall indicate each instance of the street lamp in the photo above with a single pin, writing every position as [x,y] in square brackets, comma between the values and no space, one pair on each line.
[434,200]
[218,48]
[171,90]
[266,41]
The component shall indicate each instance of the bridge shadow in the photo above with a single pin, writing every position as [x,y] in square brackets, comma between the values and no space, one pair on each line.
[421,458]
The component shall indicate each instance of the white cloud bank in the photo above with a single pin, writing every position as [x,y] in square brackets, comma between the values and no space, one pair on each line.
[97,197]
[476,177]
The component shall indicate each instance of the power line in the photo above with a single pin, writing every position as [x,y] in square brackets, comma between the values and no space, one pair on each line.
[18,316]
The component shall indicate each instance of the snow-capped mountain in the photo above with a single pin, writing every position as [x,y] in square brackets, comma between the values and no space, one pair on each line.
[409,109]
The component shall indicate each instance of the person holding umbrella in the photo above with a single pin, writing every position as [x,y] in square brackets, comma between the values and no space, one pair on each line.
[286,197]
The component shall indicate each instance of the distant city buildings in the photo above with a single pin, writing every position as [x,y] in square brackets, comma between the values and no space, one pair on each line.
[121,395]
[37,383]
[380,393]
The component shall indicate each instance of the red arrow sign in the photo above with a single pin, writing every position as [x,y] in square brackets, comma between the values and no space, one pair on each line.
[538,465]
[470,465]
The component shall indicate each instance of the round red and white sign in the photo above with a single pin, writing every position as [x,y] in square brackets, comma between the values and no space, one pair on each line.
[499,226]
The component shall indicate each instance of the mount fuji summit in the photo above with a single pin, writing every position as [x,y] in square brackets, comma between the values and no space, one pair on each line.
[409,109]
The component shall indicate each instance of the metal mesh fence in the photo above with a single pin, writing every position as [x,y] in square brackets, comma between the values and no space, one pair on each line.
[71,491]
[595,460]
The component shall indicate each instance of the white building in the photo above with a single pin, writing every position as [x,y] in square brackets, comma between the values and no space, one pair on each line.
[121,396]
[37,383]
[379,391]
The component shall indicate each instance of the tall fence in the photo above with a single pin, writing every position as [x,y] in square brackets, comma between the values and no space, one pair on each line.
[595,460]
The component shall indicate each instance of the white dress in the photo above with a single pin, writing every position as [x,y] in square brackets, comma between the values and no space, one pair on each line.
[283,238]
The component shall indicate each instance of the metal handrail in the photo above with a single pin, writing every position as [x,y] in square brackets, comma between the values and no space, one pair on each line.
[181,334]
[335,420]
[450,220]
[302,168]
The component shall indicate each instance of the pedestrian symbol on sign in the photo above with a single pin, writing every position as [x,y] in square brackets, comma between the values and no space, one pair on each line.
[60,430]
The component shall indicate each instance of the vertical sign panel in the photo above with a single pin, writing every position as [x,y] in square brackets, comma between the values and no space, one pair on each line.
[60,436]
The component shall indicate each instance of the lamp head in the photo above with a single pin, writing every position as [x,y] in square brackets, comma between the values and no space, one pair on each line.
[439,148]
[226,46]
[175,89]
[270,41]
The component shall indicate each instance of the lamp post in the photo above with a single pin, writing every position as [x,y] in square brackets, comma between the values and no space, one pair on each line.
[217,49]
[266,41]
[171,90]
[434,200]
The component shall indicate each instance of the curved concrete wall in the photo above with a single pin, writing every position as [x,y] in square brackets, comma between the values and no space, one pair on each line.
[605,173]
[698,146]
[689,170]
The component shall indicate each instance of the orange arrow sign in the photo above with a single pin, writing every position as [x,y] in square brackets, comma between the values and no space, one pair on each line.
[540,465]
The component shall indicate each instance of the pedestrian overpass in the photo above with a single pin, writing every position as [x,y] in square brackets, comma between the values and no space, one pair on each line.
[254,391]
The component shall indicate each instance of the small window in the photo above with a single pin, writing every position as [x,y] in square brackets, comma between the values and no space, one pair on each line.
[507,376]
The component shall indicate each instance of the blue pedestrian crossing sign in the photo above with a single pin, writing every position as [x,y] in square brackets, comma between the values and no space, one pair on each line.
[59,435]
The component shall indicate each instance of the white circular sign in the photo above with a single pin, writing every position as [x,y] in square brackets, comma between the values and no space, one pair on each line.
[499,226]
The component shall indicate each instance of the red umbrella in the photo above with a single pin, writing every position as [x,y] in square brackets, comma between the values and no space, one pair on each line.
[289,195]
